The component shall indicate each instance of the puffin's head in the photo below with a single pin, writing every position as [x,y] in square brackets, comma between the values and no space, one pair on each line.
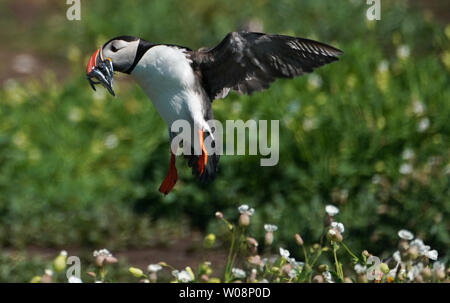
[118,54]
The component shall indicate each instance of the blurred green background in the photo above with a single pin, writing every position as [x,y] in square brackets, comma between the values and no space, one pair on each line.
[370,133]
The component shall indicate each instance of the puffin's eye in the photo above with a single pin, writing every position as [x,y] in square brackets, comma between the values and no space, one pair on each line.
[114,49]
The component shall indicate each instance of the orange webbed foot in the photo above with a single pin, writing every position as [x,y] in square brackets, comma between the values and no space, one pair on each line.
[171,178]
[203,158]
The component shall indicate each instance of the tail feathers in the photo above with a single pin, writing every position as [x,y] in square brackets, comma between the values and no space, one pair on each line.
[210,170]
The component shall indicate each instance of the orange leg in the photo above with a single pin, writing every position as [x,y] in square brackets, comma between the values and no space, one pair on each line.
[171,178]
[203,159]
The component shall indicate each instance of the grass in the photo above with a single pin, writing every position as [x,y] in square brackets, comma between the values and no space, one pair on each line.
[329,260]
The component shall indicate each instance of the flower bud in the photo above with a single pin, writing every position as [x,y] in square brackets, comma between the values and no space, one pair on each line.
[153,277]
[418,279]
[426,273]
[136,272]
[365,253]
[214,280]
[204,278]
[268,238]
[59,263]
[384,268]
[190,272]
[347,280]
[251,241]
[322,268]
[334,235]
[439,274]
[403,245]
[317,279]
[209,240]
[99,260]
[110,260]
[286,268]
[275,270]
[361,278]
[299,240]
[219,215]
[36,279]
[244,220]
[413,253]
[46,278]
[255,260]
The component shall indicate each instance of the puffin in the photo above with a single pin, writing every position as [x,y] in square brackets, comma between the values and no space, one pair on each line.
[182,83]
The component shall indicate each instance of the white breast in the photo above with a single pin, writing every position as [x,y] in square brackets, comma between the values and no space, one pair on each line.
[167,78]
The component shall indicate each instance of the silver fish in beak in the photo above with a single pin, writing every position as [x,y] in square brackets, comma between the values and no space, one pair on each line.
[100,71]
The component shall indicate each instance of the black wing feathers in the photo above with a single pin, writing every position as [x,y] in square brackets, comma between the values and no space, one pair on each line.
[248,62]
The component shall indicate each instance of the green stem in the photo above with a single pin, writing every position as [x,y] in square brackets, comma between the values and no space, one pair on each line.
[338,266]
[229,258]
[350,252]
[319,252]
[306,255]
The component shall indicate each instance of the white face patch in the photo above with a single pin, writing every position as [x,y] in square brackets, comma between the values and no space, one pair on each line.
[122,53]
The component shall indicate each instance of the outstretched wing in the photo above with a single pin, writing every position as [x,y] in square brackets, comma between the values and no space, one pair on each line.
[248,62]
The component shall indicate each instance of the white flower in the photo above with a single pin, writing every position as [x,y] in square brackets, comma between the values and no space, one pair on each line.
[397,257]
[438,266]
[432,254]
[405,234]
[406,169]
[423,249]
[314,81]
[154,267]
[270,227]
[331,210]
[238,273]
[284,253]
[292,273]
[423,125]
[383,66]
[245,209]
[339,226]
[63,253]
[74,279]
[418,243]
[48,272]
[414,271]
[295,263]
[111,141]
[309,124]
[408,154]
[102,252]
[403,51]
[182,276]
[327,276]
[75,115]
[360,270]
[376,179]
[418,108]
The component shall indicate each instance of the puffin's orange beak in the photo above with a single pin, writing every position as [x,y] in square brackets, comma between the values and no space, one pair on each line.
[92,61]
[100,71]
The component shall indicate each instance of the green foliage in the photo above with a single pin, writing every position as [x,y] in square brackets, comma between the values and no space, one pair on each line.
[84,168]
